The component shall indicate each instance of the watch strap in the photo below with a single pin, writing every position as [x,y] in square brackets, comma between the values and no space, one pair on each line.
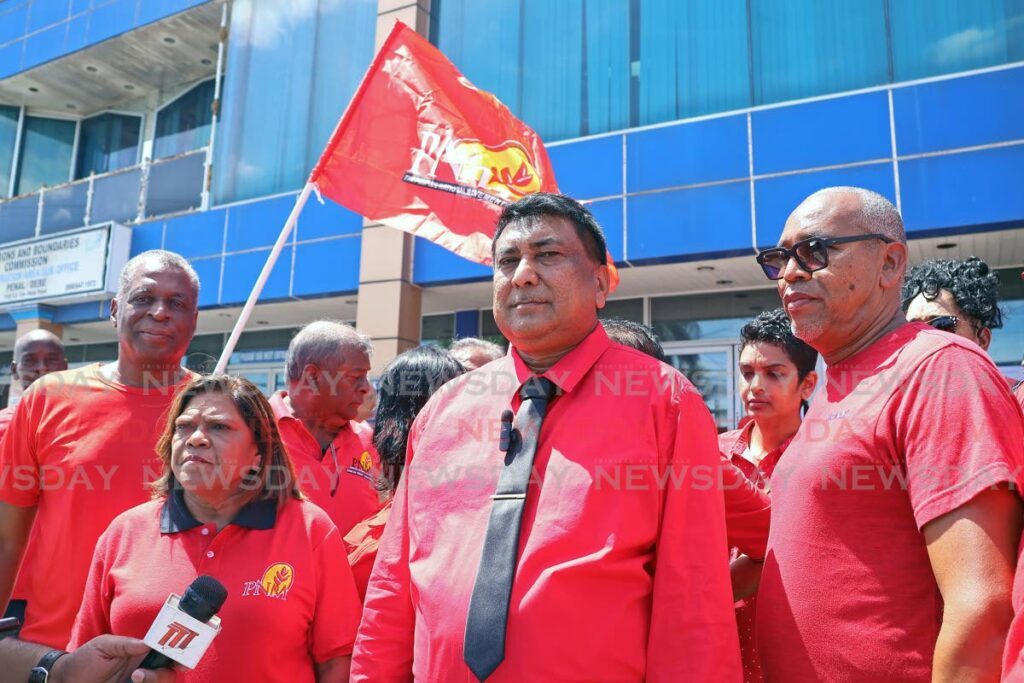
[41,671]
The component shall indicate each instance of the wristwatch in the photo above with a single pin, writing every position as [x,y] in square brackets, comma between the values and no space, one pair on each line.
[41,672]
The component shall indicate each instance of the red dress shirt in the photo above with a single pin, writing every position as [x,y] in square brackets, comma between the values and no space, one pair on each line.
[905,431]
[733,444]
[622,571]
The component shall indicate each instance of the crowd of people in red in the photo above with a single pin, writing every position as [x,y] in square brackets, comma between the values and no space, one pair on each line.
[563,511]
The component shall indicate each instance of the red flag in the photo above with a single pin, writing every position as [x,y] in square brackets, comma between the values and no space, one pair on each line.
[421,149]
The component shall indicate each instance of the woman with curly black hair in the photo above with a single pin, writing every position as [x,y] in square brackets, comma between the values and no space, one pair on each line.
[958,296]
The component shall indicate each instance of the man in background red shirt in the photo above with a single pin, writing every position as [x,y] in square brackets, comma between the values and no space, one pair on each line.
[894,525]
[335,461]
[612,547]
[36,353]
[776,378]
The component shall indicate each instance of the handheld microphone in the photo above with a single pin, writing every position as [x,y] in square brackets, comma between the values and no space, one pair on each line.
[202,600]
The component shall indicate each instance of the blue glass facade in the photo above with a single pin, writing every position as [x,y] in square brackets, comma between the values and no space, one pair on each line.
[582,67]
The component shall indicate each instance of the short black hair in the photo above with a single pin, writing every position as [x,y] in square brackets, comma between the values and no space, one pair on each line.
[975,288]
[773,327]
[549,204]
[635,336]
[405,386]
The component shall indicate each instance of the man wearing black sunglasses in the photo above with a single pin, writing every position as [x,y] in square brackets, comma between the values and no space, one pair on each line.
[894,528]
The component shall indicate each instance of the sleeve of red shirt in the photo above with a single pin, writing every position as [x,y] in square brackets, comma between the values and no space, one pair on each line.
[960,431]
[384,644]
[19,470]
[94,615]
[747,512]
[693,629]
[337,608]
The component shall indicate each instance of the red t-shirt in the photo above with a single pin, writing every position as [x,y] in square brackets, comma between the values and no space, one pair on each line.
[291,599]
[346,490]
[905,431]
[6,415]
[732,445]
[622,571]
[1019,393]
[81,449]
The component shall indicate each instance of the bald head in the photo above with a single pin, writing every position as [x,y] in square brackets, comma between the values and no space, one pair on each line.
[868,210]
[37,353]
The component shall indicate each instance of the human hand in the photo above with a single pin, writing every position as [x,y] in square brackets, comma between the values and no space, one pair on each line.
[108,659]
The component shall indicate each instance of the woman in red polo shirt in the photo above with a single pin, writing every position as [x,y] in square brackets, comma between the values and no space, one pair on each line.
[228,506]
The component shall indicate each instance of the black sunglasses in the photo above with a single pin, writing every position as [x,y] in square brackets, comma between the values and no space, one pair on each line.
[946,323]
[811,254]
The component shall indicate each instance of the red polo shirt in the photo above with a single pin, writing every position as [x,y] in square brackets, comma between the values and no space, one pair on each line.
[733,444]
[347,492]
[1019,393]
[291,599]
[81,449]
[622,571]
[905,431]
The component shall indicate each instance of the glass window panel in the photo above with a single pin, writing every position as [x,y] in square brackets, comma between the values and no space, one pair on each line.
[489,328]
[931,37]
[184,124]
[437,329]
[712,373]
[314,53]
[803,48]
[116,197]
[45,159]
[1008,341]
[8,138]
[628,309]
[710,316]
[694,58]
[175,185]
[64,208]
[278,338]
[107,142]
[18,218]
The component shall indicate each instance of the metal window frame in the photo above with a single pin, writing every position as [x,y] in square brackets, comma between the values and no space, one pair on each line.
[138,145]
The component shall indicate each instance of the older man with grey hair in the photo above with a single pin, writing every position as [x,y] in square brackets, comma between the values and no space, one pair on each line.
[895,525]
[473,352]
[80,449]
[327,367]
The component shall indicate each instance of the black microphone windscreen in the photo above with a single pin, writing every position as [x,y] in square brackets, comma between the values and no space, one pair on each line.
[203,598]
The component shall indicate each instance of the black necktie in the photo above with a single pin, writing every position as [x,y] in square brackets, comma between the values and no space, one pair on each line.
[488,608]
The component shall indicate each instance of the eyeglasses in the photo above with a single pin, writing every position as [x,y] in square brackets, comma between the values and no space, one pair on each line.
[811,254]
[946,323]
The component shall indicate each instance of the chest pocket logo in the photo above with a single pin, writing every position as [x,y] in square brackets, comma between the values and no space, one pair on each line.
[276,582]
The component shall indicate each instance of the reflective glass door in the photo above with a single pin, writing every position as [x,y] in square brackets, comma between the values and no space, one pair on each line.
[712,369]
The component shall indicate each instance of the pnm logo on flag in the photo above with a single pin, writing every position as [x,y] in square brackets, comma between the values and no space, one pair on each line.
[421,149]
[178,636]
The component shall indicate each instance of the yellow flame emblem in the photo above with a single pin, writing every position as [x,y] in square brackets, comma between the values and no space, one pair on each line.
[365,461]
[504,170]
[277,580]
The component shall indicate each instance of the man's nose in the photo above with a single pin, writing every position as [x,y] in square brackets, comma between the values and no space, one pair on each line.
[525,273]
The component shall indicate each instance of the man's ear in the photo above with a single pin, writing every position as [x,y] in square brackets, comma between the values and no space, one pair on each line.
[602,279]
[113,311]
[807,384]
[894,265]
[14,370]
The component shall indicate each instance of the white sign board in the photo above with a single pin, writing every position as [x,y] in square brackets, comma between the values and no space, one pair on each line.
[76,265]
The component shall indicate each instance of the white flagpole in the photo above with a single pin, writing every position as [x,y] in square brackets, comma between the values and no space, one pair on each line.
[257,289]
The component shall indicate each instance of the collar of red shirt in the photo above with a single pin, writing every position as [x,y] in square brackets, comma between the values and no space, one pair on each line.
[742,441]
[175,517]
[572,368]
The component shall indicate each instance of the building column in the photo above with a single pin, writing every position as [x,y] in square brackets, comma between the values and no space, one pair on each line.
[35,317]
[389,307]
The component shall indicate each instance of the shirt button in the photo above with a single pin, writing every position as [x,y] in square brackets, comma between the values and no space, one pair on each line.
[205,532]
[209,553]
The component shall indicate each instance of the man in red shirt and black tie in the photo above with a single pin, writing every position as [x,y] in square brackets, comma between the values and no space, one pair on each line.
[894,524]
[559,517]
